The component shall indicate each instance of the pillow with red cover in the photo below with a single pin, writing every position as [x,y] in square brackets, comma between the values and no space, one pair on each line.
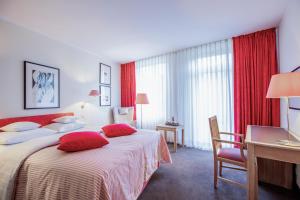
[116,130]
[78,141]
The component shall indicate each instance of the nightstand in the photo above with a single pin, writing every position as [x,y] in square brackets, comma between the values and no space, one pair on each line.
[175,130]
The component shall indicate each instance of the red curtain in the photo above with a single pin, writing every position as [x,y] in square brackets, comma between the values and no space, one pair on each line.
[128,87]
[255,61]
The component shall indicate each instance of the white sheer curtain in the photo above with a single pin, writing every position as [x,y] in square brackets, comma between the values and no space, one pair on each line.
[204,77]
[154,77]
[191,85]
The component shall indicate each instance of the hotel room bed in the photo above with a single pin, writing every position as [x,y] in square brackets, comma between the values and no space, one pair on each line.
[37,170]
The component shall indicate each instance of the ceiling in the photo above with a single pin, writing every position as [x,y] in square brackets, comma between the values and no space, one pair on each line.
[126,30]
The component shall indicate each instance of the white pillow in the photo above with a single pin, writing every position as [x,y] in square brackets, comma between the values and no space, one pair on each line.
[123,111]
[61,128]
[18,137]
[65,119]
[20,126]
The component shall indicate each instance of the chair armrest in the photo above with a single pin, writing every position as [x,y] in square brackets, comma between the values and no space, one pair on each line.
[228,142]
[227,133]
[234,134]
[241,146]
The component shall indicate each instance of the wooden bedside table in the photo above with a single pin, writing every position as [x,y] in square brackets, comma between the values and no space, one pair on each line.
[173,129]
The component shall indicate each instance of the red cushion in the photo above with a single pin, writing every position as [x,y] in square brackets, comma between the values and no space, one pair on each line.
[115,130]
[78,141]
[232,154]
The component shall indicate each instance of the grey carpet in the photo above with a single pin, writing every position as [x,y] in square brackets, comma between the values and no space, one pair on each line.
[191,177]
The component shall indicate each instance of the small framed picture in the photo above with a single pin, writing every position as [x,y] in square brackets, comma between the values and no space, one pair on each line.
[41,86]
[295,103]
[105,74]
[105,98]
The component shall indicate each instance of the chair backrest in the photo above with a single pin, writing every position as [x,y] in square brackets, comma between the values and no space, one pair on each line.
[214,131]
[124,115]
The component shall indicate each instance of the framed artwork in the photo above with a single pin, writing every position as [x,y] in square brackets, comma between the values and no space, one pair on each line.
[105,98]
[295,101]
[41,86]
[105,74]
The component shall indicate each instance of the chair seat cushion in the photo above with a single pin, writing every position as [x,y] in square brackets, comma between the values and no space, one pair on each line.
[232,154]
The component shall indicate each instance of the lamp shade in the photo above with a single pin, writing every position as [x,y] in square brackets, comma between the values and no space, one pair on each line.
[94,93]
[284,85]
[142,98]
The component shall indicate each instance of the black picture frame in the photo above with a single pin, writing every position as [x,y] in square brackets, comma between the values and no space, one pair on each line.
[26,82]
[102,89]
[295,102]
[104,67]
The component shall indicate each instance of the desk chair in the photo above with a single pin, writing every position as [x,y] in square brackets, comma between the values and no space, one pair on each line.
[232,156]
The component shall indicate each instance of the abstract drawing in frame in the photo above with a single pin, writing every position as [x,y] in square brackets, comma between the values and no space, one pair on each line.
[105,74]
[41,86]
[105,97]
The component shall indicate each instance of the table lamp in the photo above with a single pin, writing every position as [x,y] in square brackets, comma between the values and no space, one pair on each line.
[285,85]
[142,98]
[93,93]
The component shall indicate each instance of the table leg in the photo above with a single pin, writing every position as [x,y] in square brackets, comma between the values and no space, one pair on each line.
[165,135]
[182,137]
[252,174]
[175,140]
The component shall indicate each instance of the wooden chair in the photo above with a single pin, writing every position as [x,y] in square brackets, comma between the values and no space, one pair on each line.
[232,156]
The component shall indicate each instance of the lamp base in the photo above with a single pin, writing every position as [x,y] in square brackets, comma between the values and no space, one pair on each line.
[289,143]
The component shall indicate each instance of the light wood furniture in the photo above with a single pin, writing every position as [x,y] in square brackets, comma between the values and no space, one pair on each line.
[232,156]
[174,130]
[283,171]
[262,142]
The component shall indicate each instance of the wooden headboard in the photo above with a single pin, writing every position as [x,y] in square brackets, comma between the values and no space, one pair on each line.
[41,119]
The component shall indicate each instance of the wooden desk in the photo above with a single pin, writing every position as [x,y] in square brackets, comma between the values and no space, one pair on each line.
[262,141]
[173,129]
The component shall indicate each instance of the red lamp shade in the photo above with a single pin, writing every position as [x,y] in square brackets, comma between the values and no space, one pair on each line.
[142,98]
[94,93]
[284,85]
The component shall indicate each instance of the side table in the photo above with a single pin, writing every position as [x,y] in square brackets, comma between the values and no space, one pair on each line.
[174,129]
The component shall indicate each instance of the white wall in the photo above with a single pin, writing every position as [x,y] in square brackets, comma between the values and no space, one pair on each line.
[79,72]
[289,58]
